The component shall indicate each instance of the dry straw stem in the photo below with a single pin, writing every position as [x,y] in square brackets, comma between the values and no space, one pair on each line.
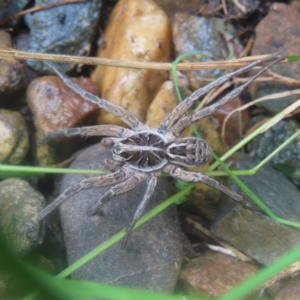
[9,54]
[213,94]
[287,111]
[208,233]
[291,270]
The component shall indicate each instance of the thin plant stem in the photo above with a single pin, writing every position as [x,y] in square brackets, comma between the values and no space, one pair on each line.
[9,54]
[25,170]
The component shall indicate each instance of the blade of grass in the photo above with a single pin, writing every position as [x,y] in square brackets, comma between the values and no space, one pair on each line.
[18,171]
[256,199]
[119,293]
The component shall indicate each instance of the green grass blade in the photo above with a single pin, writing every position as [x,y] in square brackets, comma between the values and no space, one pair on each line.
[93,290]
[292,58]
[19,171]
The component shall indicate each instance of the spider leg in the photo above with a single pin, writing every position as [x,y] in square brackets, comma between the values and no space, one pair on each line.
[97,130]
[92,182]
[186,176]
[111,165]
[118,189]
[110,107]
[151,183]
[182,107]
[193,117]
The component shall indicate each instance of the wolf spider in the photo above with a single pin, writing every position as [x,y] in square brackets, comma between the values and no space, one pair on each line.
[140,153]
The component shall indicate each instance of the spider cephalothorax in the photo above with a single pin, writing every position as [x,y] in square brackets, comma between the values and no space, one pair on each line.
[140,153]
[149,151]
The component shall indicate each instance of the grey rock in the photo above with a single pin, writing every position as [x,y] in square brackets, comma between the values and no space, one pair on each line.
[213,37]
[153,253]
[287,160]
[254,233]
[65,29]
[19,208]
[9,8]
[286,19]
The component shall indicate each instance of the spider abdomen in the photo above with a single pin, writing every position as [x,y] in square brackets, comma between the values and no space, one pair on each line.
[190,152]
[144,151]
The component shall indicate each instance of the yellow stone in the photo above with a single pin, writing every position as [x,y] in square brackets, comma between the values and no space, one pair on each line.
[138,30]
[164,102]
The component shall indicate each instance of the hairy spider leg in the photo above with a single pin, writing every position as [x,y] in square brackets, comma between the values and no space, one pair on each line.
[118,189]
[151,184]
[97,130]
[92,182]
[111,165]
[186,176]
[110,107]
[193,117]
[182,107]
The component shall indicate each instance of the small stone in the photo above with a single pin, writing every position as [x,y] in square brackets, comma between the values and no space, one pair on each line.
[55,107]
[9,8]
[19,208]
[133,35]
[212,37]
[14,137]
[213,274]
[65,29]
[12,75]
[162,105]
[152,256]
[285,38]
[255,233]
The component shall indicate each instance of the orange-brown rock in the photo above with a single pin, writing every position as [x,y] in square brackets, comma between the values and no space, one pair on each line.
[213,274]
[55,107]
[138,30]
